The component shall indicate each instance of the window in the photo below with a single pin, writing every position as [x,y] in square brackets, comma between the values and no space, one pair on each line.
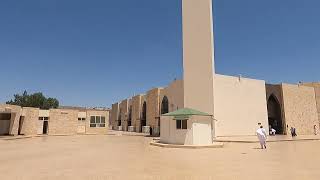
[44,118]
[182,124]
[5,116]
[81,119]
[97,121]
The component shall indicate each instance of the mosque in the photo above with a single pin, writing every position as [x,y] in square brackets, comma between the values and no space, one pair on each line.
[237,104]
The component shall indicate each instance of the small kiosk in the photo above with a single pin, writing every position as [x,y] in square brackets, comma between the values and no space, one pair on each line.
[187,127]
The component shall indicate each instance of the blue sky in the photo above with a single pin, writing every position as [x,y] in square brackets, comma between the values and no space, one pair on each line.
[93,53]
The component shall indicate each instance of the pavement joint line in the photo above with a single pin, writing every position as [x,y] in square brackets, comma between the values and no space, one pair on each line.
[176,146]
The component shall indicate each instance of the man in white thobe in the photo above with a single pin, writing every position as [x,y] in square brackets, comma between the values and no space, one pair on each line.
[262,136]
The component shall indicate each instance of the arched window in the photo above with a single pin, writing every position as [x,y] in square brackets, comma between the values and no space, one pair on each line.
[164,105]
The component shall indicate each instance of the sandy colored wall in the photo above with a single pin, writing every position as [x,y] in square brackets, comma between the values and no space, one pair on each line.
[114,115]
[316,87]
[124,106]
[82,125]
[44,113]
[300,108]
[16,112]
[153,106]
[63,122]
[174,93]
[136,112]
[97,130]
[31,121]
[240,104]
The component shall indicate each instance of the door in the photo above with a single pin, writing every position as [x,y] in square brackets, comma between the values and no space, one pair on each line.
[20,125]
[45,127]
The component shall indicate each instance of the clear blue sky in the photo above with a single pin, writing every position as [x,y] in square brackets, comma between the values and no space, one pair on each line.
[93,53]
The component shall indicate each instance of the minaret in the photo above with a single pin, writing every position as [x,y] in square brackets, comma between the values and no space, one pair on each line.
[198,55]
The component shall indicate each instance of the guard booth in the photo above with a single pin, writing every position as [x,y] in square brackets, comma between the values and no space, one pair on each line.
[187,127]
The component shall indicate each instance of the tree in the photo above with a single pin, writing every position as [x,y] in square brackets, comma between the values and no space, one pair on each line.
[37,100]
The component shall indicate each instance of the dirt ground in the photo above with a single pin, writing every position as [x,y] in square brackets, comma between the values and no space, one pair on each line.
[131,157]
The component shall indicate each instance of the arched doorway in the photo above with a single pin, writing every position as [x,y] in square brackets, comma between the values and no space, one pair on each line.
[143,116]
[274,115]
[130,117]
[119,117]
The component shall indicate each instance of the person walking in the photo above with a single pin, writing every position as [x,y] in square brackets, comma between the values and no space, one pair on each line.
[262,136]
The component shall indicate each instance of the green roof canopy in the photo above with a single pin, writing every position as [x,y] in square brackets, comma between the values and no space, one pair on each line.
[185,113]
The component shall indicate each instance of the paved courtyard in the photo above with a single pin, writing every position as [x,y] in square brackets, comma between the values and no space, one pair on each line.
[131,157]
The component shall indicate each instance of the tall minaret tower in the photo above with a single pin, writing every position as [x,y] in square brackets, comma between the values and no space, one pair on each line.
[198,55]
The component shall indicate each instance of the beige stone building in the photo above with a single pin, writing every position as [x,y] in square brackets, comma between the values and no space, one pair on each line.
[237,104]
[16,120]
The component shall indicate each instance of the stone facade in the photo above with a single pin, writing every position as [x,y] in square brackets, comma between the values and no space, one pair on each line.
[136,112]
[115,115]
[298,105]
[153,107]
[15,112]
[316,87]
[63,122]
[97,130]
[300,109]
[30,121]
[124,107]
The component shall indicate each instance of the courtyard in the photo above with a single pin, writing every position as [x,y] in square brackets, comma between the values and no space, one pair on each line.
[131,157]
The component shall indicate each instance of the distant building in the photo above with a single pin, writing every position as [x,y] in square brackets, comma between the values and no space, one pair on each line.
[16,120]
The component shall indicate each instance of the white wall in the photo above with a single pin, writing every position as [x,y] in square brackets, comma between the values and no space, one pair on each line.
[171,135]
[240,104]
[198,58]
[44,113]
[201,128]
[198,132]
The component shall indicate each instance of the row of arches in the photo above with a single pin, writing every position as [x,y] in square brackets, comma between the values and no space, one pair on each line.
[164,108]
[275,119]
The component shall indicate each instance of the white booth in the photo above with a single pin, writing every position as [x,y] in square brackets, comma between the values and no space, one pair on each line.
[187,127]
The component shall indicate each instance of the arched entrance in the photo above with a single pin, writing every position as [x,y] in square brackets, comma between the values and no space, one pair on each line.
[274,115]
[130,117]
[143,116]
[164,105]
[119,117]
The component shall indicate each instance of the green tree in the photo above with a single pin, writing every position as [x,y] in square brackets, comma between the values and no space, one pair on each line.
[37,100]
